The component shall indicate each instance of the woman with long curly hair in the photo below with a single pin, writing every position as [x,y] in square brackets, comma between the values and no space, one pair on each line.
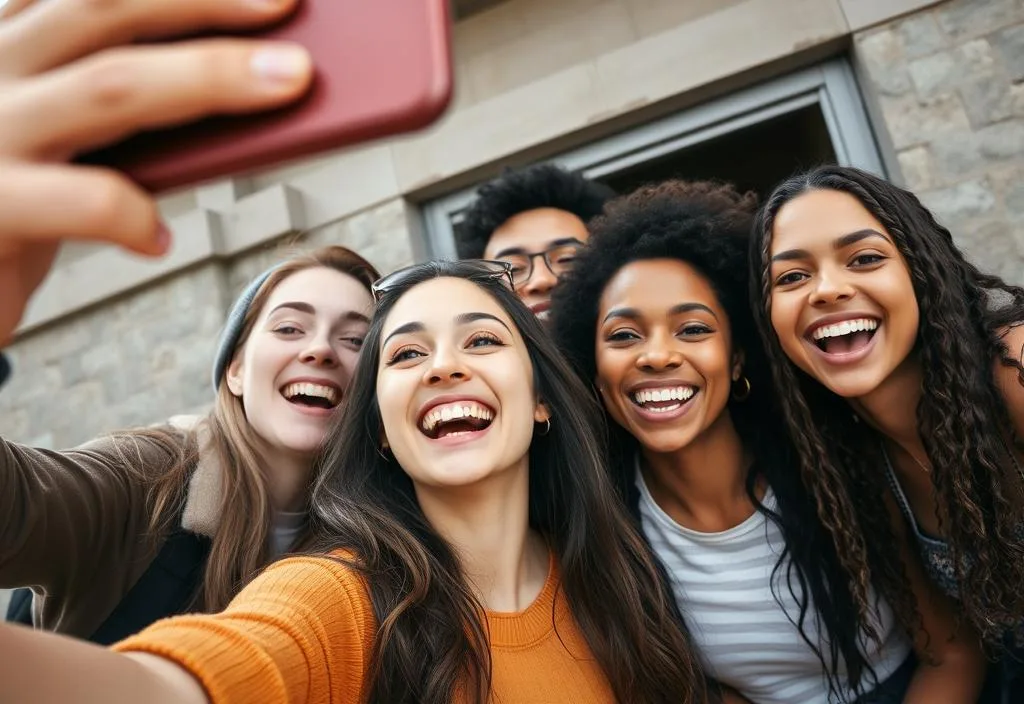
[897,364]
[469,547]
[655,313]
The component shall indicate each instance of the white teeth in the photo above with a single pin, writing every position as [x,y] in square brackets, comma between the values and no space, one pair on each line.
[677,393]
[454,411]
[312,390]
[664,409]
[844,328]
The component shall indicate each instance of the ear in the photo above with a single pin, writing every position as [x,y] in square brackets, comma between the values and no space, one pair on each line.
[541,413]
[737,364]
[233,376]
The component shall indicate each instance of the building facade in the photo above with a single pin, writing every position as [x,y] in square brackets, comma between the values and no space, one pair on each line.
[928,93]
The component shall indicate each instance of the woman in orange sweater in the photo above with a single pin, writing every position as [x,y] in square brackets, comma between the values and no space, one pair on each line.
[470,546]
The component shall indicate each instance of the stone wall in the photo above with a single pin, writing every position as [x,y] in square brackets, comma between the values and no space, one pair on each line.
[147,355]
[949,85]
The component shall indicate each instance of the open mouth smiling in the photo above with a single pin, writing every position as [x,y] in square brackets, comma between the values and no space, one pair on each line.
[456,418]
[843,337]
[663,401]
[323,395]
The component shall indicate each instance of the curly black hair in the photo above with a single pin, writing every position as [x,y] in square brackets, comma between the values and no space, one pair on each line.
[519,190]
[707,225]
[962,419]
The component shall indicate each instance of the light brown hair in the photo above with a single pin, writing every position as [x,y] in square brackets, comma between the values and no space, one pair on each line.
[240,546]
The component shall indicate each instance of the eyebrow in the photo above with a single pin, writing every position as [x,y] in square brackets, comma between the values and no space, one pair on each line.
[467,318]
[461,319]
[634,314]
[303,307]
[839,243]
[522,250]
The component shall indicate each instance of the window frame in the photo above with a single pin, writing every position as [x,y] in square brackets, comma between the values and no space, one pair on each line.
[831,85]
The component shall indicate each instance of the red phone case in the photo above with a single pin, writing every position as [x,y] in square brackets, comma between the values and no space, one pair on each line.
[382,67]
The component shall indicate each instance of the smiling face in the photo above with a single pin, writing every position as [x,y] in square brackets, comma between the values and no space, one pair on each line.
[530,233]
[665,363]
[455,385]
[843,305]
[294,368]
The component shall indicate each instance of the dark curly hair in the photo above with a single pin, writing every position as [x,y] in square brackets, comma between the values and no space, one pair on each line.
[519,190]
[962,419]
[707,225]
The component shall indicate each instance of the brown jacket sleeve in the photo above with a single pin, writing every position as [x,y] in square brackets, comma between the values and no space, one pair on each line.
[76,521]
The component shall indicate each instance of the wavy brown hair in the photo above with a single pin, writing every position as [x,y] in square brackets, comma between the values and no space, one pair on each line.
[241,545]
[431,640]
[962,418]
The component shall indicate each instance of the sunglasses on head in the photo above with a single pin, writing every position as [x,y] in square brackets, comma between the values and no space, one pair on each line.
[471,269]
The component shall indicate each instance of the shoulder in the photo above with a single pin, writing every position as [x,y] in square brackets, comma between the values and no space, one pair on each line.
[145,452]
[328,589]
[312,574]
[1010,378]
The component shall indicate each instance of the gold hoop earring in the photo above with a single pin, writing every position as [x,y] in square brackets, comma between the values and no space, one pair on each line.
[744,394]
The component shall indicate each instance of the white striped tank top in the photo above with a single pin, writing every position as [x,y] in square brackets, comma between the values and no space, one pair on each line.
[722,584]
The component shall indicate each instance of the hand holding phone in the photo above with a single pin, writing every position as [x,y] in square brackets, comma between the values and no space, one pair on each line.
[71,82]
[382,67]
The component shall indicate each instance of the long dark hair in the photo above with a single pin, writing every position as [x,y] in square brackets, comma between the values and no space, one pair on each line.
[707,225]
[431,641]
[962,419]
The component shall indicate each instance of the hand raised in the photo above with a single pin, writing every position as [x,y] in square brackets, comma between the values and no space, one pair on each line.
[71,80]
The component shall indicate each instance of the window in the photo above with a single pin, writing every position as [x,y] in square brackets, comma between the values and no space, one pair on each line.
[753,138]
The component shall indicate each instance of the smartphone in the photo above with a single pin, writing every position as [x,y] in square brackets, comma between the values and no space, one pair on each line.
[383,67]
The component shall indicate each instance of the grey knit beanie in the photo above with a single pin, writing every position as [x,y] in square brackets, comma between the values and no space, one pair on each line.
[233,327]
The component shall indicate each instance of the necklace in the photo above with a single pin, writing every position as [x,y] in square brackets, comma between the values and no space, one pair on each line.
[925,468]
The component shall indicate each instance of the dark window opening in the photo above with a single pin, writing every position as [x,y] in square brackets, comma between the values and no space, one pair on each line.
[755,158]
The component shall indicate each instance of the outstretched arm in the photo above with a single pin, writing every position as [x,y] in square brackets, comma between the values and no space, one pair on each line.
[88,674]
[301,632]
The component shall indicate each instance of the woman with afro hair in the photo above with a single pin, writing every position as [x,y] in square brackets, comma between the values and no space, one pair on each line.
[655,313]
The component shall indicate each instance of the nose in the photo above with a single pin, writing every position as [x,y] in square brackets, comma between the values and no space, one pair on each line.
[659,354]
[541,279]
[319,352]
[830,288]
[445,369]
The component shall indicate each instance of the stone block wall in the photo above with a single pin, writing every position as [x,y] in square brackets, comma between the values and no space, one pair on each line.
[147,355]
[949,83]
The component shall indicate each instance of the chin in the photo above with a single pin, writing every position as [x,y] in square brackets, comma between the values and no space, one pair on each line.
[301,444]
[663,443]
[850,388]
[455,477]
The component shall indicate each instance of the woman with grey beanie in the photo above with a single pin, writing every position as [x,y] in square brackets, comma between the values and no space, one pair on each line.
[148,523]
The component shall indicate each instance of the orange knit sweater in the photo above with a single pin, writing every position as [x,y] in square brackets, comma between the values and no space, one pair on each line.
[303,632]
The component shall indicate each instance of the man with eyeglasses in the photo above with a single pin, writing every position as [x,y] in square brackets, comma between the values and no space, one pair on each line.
[534,218]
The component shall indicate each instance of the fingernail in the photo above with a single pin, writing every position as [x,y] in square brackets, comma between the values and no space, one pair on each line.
[281,64]
[163,239]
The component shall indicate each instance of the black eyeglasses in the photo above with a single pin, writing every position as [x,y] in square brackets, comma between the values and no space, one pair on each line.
[464,268]
[558,259]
